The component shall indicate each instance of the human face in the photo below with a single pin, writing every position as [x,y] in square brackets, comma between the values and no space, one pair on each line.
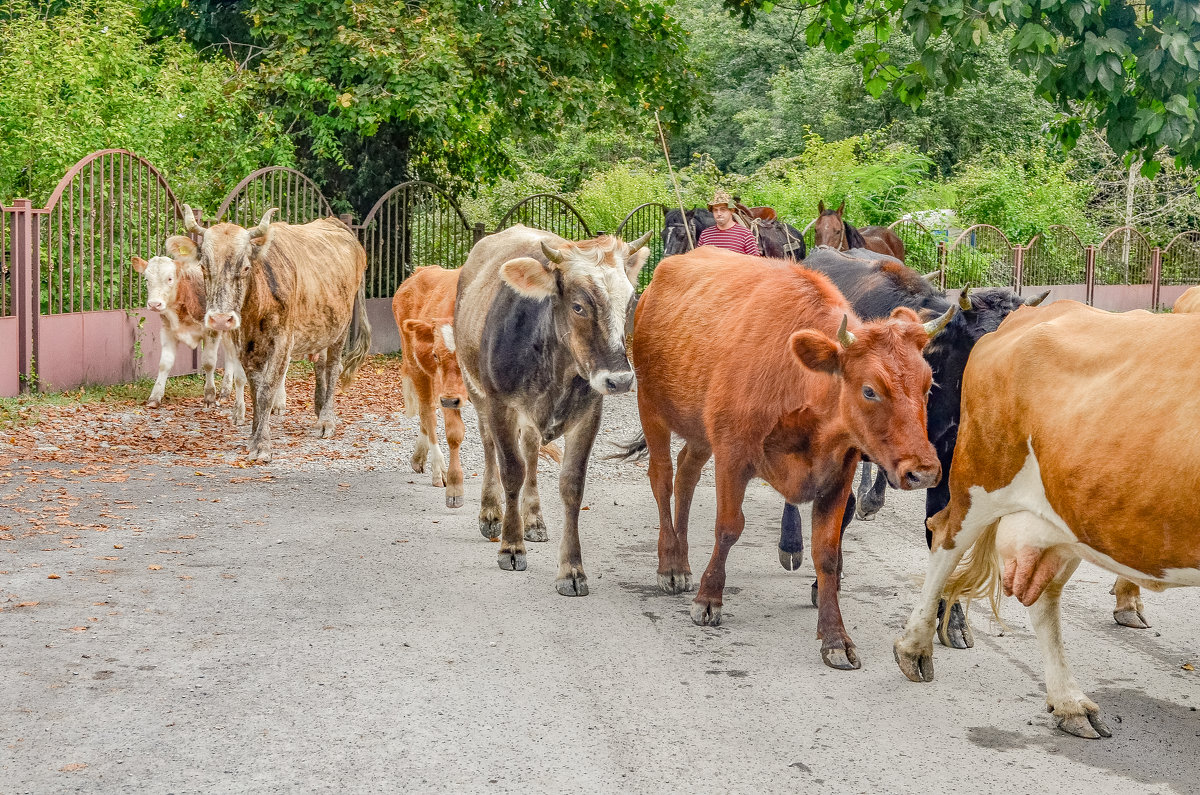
[723,216]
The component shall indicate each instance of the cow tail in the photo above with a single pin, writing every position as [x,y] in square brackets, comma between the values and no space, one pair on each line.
[550,452]
[358,343]
[633,450]
[979,573]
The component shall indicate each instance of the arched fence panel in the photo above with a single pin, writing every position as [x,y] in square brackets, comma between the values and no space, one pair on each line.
[1056,259]
[1123,271]
[1181,260]
[547,211]
[981,256]
[645,218]
[920,245]
[413,224]
[297,197]
[112,206]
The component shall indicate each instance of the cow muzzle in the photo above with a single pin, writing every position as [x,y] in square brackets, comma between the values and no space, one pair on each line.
[155,306]
[610,382]
[451,403]
[912,474]
[221,321]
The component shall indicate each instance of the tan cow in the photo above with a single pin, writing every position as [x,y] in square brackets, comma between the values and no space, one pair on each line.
[1188,302]
[176,294]
[424,312]
[1080,440]
[284,292]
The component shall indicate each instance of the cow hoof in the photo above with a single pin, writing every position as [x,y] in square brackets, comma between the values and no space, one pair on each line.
[1131,618]
[454,501]
[418,464]
[792,561]
[535,530]
[152,403]
[863,514]
[438,481]
[917,664]
[842,659]
[325,428]
[511,560]
[1088,726]
[574,585]
[489,528]
[955,632]
[815,596]
[706,614]
[675,582]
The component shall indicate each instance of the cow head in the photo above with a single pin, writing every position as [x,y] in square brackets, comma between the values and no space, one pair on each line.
[226,255]
[162,281]
[591,286]
[432,346]
[676,226]
[883,381]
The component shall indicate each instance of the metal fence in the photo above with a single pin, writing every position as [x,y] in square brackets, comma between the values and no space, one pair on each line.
[73,255]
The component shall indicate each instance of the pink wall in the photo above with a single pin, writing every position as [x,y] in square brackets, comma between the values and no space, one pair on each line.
[10,381]
[1122,297]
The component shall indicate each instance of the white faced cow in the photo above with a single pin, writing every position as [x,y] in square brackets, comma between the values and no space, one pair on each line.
[176,293]
[540,325]
[284,291]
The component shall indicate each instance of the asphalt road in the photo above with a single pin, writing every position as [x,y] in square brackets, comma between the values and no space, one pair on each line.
[344,631]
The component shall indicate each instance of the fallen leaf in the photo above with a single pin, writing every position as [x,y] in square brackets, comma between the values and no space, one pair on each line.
[75,629]
[53,577]
[154,567]
[108,557]
[1185,666]
[189,535]
[27,604]
[118,546]
[71,768]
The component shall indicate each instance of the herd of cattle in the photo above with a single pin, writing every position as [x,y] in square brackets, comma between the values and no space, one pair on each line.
[1004,410]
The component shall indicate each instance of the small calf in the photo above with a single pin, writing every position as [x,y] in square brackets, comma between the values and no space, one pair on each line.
[177,295]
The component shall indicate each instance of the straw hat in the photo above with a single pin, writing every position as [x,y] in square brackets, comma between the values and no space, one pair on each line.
[719,198]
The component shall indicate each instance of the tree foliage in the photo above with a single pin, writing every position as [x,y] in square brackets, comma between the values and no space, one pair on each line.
[1129,68]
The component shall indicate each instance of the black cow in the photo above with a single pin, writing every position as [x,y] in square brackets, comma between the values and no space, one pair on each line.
[874,288]
[775,238]
[540,325]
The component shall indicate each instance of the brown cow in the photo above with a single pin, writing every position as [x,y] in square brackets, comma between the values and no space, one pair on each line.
[1078,442]
[833,230]
[424,312]
[763,365]
[284,291]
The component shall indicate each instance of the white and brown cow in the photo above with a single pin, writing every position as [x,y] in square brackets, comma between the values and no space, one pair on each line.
[284,291]
[424,310]
[1080,440]
[176,293]
[540,325]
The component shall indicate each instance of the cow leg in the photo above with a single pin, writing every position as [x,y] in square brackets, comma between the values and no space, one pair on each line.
[674,572]
[331,366]
[437,462]
[829,513]
[953,631]
[531,502]
[208,363]
[579,438]
[871,494]
[1075,712]
[455,430]
[234,380]
[166,361]
[267,383]
[791,538]
[506,436]
[1129,605]
[491,513]
[847,514]
[419,389]
[732,478]
[689,465]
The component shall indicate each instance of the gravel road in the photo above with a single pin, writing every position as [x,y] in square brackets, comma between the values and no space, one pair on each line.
[326,624]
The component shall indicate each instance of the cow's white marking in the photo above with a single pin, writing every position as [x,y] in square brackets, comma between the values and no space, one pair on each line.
[448,336]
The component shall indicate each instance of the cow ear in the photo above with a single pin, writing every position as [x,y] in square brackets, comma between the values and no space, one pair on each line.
[139,264]
[419,330]
[260,244]
[417,337]
[181,249]
[816,351]
[634,265]
[908,315]
[529,277]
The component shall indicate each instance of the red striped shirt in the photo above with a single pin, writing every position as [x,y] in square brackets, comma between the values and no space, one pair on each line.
[735,238]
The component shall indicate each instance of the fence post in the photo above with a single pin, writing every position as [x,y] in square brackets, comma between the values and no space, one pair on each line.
[26,287]
[477,233]
[1155,277]
[1090,272]
[347,219]
[1018,267]
[942,260]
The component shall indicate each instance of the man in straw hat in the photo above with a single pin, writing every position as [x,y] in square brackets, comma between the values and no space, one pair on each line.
[727,234]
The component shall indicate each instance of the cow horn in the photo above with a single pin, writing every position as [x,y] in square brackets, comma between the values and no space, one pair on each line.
[934,327]
[190,223]
[1037,299]
[261,229]
[932,277]
[552,254]
[641,241]
[964,298]
[844,336]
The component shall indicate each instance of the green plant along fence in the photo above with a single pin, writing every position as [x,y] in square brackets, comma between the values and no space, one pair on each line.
[920,245]
[297,198]
[981,255]
[645,218]
[1181,260]
[1056,256]
[1123,257]
[552,213]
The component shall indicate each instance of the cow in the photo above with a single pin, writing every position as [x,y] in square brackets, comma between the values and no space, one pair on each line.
[176,294]
[1188,302]
[764,366]
[540,325]
[424,310]
[1078,442]
[284,291]
[875,285]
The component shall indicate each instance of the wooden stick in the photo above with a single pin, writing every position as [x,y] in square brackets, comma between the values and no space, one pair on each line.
[666,154]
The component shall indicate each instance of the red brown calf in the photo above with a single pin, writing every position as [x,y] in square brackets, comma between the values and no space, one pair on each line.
[424,311]
[763,365]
